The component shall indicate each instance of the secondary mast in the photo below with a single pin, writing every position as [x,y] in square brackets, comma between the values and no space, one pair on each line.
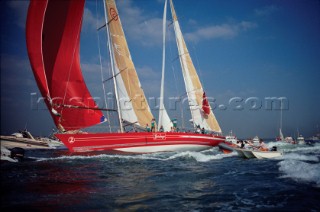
[112,66]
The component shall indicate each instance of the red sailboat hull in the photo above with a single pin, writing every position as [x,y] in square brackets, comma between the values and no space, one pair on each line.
[139,142]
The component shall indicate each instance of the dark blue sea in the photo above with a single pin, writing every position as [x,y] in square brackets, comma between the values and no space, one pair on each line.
[55,180]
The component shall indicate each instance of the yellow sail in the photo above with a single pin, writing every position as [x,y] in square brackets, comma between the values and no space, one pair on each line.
[192,82]
[133,103]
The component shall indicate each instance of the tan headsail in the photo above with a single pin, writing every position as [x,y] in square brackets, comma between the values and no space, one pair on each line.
[133,103]
[192,82]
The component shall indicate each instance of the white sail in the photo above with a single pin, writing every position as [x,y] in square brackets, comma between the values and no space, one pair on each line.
[280,131]
[281,135]
[134,107]
[192,83]
[164,120]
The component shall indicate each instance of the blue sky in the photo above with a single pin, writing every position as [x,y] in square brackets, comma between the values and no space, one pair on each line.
[243,50]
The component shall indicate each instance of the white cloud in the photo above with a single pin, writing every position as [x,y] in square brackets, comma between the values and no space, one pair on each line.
[192,22]
[266,11]
[148,73]
[149,79]
[139,26]
[92,68]
[20,9]
[220,31]
[90,21]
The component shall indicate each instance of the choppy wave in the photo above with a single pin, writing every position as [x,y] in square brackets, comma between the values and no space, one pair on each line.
[301,157]
[300,171]
[305,149]
[203,156]
[200,156]
[300,162]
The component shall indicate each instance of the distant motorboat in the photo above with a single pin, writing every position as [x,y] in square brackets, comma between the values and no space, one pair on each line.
[248,153]
[266,154]
[256,140]
[229,144]
[313,139]
[15,154]
[244,153]
[300,140]
[231,138]
[26,140]
[289,139]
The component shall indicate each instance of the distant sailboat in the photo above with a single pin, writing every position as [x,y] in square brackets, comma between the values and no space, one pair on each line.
[281,137]
[300,140]
[53,43]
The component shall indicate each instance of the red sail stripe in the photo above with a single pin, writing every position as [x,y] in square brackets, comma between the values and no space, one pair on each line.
[205,104]
[53,39]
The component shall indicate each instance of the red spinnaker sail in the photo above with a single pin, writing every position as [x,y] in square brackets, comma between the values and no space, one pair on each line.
[53,39]
[205,104]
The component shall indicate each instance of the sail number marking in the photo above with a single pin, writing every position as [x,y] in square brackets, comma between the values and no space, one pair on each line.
[71,140]
[113,14]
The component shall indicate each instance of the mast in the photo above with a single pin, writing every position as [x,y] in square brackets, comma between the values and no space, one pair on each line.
[281,114]
[112,68]
[164,119]
[281,134]
[101,69]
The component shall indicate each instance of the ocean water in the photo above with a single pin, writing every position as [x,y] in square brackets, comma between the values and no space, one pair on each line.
[55,180]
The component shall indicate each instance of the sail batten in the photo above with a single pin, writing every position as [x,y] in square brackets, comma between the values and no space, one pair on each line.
[200,117]
[53,47]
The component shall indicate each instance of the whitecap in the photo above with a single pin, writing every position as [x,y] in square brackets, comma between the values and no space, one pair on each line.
[200,156]
[300,171]
[301,157]
[305,149]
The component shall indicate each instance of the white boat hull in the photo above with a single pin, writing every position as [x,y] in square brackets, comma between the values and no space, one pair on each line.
[165,148]
[266,154]
[246,153]
[240,152]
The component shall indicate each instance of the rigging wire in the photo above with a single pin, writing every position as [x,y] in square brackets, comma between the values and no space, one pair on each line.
[176,84]
[101,68]
[198,69]
[112,66]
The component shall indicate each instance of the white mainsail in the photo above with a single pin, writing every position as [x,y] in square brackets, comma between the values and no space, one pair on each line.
[281,135]
[164,120]
[280,130]
[134,107]
[192,83]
